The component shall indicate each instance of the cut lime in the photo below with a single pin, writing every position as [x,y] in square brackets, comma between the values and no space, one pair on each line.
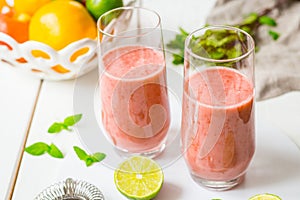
[139,178]
[265,197]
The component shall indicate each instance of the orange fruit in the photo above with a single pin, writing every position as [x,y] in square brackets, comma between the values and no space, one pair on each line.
[29,6]
[16,26]
[60,23]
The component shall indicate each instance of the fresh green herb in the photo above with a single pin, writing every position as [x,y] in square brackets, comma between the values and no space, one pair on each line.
[41,148]
[178,43]
[178,58]
[88,159]
[266,20]
[250,19]
[57,127]
[71,120]
[37,149]
[274,34]
[55,152]
[222,44]
[179,40]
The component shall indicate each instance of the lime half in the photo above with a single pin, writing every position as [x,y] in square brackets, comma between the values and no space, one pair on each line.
[139,178]
[265,197]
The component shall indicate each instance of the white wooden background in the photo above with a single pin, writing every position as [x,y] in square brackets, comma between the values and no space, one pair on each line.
[28,106]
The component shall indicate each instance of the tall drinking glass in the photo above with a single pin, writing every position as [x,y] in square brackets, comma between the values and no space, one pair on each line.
[218,132]
[135,111]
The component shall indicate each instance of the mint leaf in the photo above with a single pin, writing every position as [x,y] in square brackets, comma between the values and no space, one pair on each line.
[56,127]
[82,155]
[55,152]
[266,20]
[71,120]
[274,34]
[183,32]
[251,18]
[41,148]
[177,59]
[37,149]
[178,42]
[88,159]
[97,157]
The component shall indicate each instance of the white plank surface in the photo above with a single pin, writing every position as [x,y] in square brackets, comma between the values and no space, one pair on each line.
[284,113]
[37,173]
[18,93]
[56,102]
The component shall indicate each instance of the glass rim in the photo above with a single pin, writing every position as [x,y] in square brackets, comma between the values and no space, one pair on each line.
[128,8]
[210,27]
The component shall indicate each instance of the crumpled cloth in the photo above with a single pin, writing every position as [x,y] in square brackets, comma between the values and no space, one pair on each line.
[277,65]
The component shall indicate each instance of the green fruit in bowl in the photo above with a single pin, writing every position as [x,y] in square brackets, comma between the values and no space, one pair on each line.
[98,7]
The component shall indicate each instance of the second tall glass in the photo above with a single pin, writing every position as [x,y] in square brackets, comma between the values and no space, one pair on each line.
[218,132]
[134,100]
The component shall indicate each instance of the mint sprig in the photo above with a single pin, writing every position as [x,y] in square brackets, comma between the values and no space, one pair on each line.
[41,148]
[220,45]
[57,127]
[88,159]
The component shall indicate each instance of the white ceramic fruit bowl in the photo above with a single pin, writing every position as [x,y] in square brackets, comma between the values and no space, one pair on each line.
[39,59]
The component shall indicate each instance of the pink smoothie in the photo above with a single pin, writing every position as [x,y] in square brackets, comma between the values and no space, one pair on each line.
[218,124]
[135,108]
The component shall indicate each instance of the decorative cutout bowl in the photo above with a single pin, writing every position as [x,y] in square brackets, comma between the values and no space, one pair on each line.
[41,60]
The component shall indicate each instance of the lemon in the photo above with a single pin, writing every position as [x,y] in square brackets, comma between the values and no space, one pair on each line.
[265,196]
[28,6]
[60,23]
[139,178]
[99,7]
[2,4]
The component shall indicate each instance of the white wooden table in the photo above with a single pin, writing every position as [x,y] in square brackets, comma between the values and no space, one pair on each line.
[29,106]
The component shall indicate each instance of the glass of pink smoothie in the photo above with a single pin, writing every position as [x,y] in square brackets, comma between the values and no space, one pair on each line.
[135,113]
[218,130]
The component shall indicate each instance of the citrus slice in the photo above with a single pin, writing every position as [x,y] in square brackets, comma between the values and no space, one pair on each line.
[265,196]
[139,178]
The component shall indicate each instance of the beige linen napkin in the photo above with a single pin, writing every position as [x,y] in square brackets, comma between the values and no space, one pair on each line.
[277,62]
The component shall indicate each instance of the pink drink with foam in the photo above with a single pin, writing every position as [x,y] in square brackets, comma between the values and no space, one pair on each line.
[135,108]
[218,137]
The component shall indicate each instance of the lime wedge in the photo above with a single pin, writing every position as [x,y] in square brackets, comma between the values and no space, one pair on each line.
[265,196]
[139,178]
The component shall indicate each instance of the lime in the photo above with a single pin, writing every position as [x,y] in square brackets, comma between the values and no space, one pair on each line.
[139,178]
[265,196]
[98,7]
